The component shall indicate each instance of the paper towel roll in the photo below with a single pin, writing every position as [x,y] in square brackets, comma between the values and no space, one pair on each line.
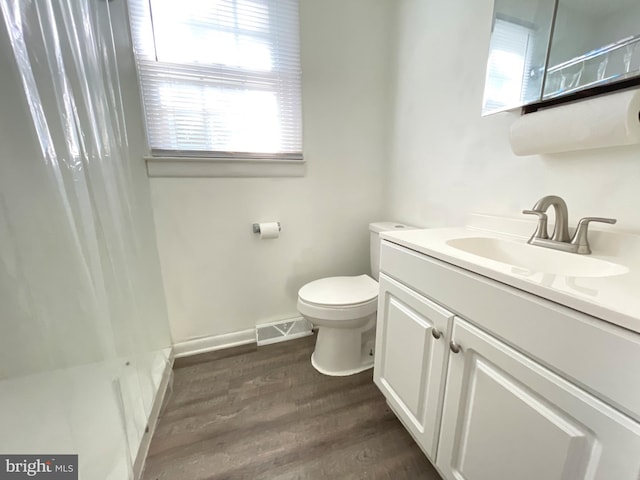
[269,230]
[600,122]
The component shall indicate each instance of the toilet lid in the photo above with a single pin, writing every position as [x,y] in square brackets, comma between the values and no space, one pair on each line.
[340,291]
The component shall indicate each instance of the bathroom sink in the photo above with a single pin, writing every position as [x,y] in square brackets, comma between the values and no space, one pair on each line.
[536,259]
[604,285]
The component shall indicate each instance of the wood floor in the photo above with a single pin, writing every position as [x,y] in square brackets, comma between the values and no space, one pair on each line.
[265,413]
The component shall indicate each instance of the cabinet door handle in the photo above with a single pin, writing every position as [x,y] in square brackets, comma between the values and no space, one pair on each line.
[455,348]
[436,333]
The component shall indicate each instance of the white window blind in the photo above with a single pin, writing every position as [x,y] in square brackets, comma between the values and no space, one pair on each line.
[220,78]
[508,66]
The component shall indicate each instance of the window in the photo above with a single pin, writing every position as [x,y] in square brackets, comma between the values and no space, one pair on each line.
[220,78]
[509,65]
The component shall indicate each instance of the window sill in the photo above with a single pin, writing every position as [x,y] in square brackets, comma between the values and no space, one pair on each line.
[216,167]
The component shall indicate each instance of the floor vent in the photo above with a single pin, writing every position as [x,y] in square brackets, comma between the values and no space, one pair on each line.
[283,330]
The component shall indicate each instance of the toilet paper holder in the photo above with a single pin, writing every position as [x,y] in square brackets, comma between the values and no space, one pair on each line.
[256,227]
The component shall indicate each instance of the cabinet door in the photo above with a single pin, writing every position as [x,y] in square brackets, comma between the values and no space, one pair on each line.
[508,417]
[410,360]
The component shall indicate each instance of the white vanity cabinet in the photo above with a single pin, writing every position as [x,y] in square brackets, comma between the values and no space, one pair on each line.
[411,353]
[507,417]
[498,395]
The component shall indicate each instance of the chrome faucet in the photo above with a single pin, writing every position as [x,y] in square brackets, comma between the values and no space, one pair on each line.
[560,239]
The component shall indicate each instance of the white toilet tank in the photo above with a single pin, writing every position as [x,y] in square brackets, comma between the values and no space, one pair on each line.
[374,242]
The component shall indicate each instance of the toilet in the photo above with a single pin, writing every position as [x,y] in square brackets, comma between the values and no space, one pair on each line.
[344,310]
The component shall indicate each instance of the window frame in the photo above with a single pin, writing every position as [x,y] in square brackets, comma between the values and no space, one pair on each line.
[194,163]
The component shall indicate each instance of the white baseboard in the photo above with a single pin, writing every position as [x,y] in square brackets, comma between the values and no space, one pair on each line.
[214,342]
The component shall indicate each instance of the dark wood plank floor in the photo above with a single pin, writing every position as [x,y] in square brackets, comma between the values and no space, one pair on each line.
[265,413]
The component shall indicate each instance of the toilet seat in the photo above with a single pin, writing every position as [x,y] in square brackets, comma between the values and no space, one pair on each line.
[340,315]
[339,299]
[340,291]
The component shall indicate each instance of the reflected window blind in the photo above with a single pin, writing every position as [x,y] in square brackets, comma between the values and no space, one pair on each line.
[509,64]
[220,78]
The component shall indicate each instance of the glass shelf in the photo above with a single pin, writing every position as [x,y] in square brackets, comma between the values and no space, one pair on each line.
[612,63]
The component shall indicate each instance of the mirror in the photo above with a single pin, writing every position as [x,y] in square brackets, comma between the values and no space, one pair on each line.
[517,53]
[543,50]
[595,42]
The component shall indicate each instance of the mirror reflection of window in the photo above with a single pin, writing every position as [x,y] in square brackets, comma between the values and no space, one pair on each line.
[509,65]
[520,33]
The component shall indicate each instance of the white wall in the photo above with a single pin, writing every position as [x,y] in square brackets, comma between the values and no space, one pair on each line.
[447,161]
[391,131]
[218,276]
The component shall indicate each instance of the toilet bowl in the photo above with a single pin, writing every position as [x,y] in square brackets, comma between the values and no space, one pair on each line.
[344,310]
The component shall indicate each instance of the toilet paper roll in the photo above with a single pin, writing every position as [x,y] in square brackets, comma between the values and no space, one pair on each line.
[269,230]
[600,122]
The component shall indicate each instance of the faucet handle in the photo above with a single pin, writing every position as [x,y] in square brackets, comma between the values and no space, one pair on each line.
[580,236]
[541,228]
[586,220]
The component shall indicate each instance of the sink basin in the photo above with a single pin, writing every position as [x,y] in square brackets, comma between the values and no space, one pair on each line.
[537,259]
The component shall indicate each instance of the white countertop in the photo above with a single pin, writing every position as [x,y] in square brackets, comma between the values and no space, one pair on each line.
[615,299]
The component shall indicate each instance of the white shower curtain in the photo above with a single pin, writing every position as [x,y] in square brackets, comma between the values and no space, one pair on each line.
[83,327]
